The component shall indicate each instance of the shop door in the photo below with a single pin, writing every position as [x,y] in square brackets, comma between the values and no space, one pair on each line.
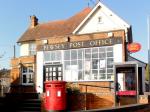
[53,72]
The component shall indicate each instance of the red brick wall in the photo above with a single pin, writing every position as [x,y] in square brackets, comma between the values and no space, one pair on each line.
[90,97]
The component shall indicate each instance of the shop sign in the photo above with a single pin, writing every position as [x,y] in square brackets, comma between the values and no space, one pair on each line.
[134,47]
[80,44]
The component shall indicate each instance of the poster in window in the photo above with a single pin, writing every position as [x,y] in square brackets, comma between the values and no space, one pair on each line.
[87,66]
[102,63]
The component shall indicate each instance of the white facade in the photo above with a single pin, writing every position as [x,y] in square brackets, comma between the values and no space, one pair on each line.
[39,72]
[24,49]
[71,74]
[101,19]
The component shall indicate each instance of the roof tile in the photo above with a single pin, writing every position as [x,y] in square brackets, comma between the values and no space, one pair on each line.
[54,28]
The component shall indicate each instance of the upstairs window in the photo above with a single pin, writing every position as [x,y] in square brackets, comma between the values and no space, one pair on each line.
[32,49]
[100,19]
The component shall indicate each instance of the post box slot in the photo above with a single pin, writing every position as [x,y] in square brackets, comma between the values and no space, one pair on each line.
[58,85]
[48,86]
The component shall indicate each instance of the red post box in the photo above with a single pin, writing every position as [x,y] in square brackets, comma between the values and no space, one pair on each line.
[55,95]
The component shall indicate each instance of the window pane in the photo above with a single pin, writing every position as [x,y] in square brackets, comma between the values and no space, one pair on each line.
[24,79]
[80,64]
[110,63]
[95,55]
[30,69]
[95,64]
[47,56]
[73,62]
[102,71]
[109,48]
[87,53]
[30,80]
[102,76]
[24,69]
[109,70]
[87,70]
[67,65]
[67,55]
[52,56]
[94,50]
[32,49]
[94,74]
[109,54]
[80,75]
[73,54]
[109,76]
[102,50]
[80,54]
[102,55]
[58,55]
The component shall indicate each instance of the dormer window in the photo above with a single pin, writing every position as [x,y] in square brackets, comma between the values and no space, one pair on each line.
[100,20]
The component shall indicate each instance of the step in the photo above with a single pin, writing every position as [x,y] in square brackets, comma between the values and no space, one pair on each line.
[22,95]
[30,104]
[32,100]
[29,109]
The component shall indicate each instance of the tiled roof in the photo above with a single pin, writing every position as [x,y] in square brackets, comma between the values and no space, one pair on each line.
[55,28]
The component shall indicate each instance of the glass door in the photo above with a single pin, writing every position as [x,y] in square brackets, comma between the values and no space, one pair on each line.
[53,72]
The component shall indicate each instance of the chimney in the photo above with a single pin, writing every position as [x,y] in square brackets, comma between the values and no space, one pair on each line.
[34,21]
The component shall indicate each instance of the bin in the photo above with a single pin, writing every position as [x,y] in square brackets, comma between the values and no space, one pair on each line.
[55,96]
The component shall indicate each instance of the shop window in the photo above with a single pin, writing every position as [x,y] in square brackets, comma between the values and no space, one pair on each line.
[85,63]
[52,56]
[80,53]
[91,63]
[73,54]
[80,64]
[27,75]
[67,55]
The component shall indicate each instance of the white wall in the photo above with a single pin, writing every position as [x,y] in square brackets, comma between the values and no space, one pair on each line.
[110,22]
[118,53]
[24,49]
[39,75]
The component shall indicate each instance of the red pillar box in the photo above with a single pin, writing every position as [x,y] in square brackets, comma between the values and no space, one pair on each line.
[55,95]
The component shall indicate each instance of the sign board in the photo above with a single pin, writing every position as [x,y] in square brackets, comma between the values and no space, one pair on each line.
[134,47]
[80,44]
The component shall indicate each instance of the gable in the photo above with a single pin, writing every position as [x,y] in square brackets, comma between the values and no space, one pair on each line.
[101,19]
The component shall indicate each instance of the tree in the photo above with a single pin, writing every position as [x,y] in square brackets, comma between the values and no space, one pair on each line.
[147,74]
[4,72]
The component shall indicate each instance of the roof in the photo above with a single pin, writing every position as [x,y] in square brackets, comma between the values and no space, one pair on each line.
[54,28]
[131,58]
[119,21]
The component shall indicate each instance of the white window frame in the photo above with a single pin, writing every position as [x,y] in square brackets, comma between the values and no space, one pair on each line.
[32,49]
[28,74]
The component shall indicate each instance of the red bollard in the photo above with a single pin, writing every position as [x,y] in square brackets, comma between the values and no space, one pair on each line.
[55,96]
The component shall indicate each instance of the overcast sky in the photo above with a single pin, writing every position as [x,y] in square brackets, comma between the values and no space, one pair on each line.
[14,19]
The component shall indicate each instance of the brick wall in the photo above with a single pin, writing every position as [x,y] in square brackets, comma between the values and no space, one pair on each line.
[90,97]
[15,72]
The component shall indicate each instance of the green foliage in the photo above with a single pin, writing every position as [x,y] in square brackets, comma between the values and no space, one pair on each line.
[147,73]
[71,88]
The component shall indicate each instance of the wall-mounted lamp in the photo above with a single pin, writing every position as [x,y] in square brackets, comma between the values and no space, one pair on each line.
[110,34]
[45,41]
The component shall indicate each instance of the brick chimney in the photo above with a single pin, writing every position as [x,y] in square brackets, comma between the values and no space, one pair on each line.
[34,21]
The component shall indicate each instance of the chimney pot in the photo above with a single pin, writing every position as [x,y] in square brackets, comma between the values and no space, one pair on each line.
[34,21]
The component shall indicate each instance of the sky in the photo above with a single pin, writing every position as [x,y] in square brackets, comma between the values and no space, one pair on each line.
[15,19]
